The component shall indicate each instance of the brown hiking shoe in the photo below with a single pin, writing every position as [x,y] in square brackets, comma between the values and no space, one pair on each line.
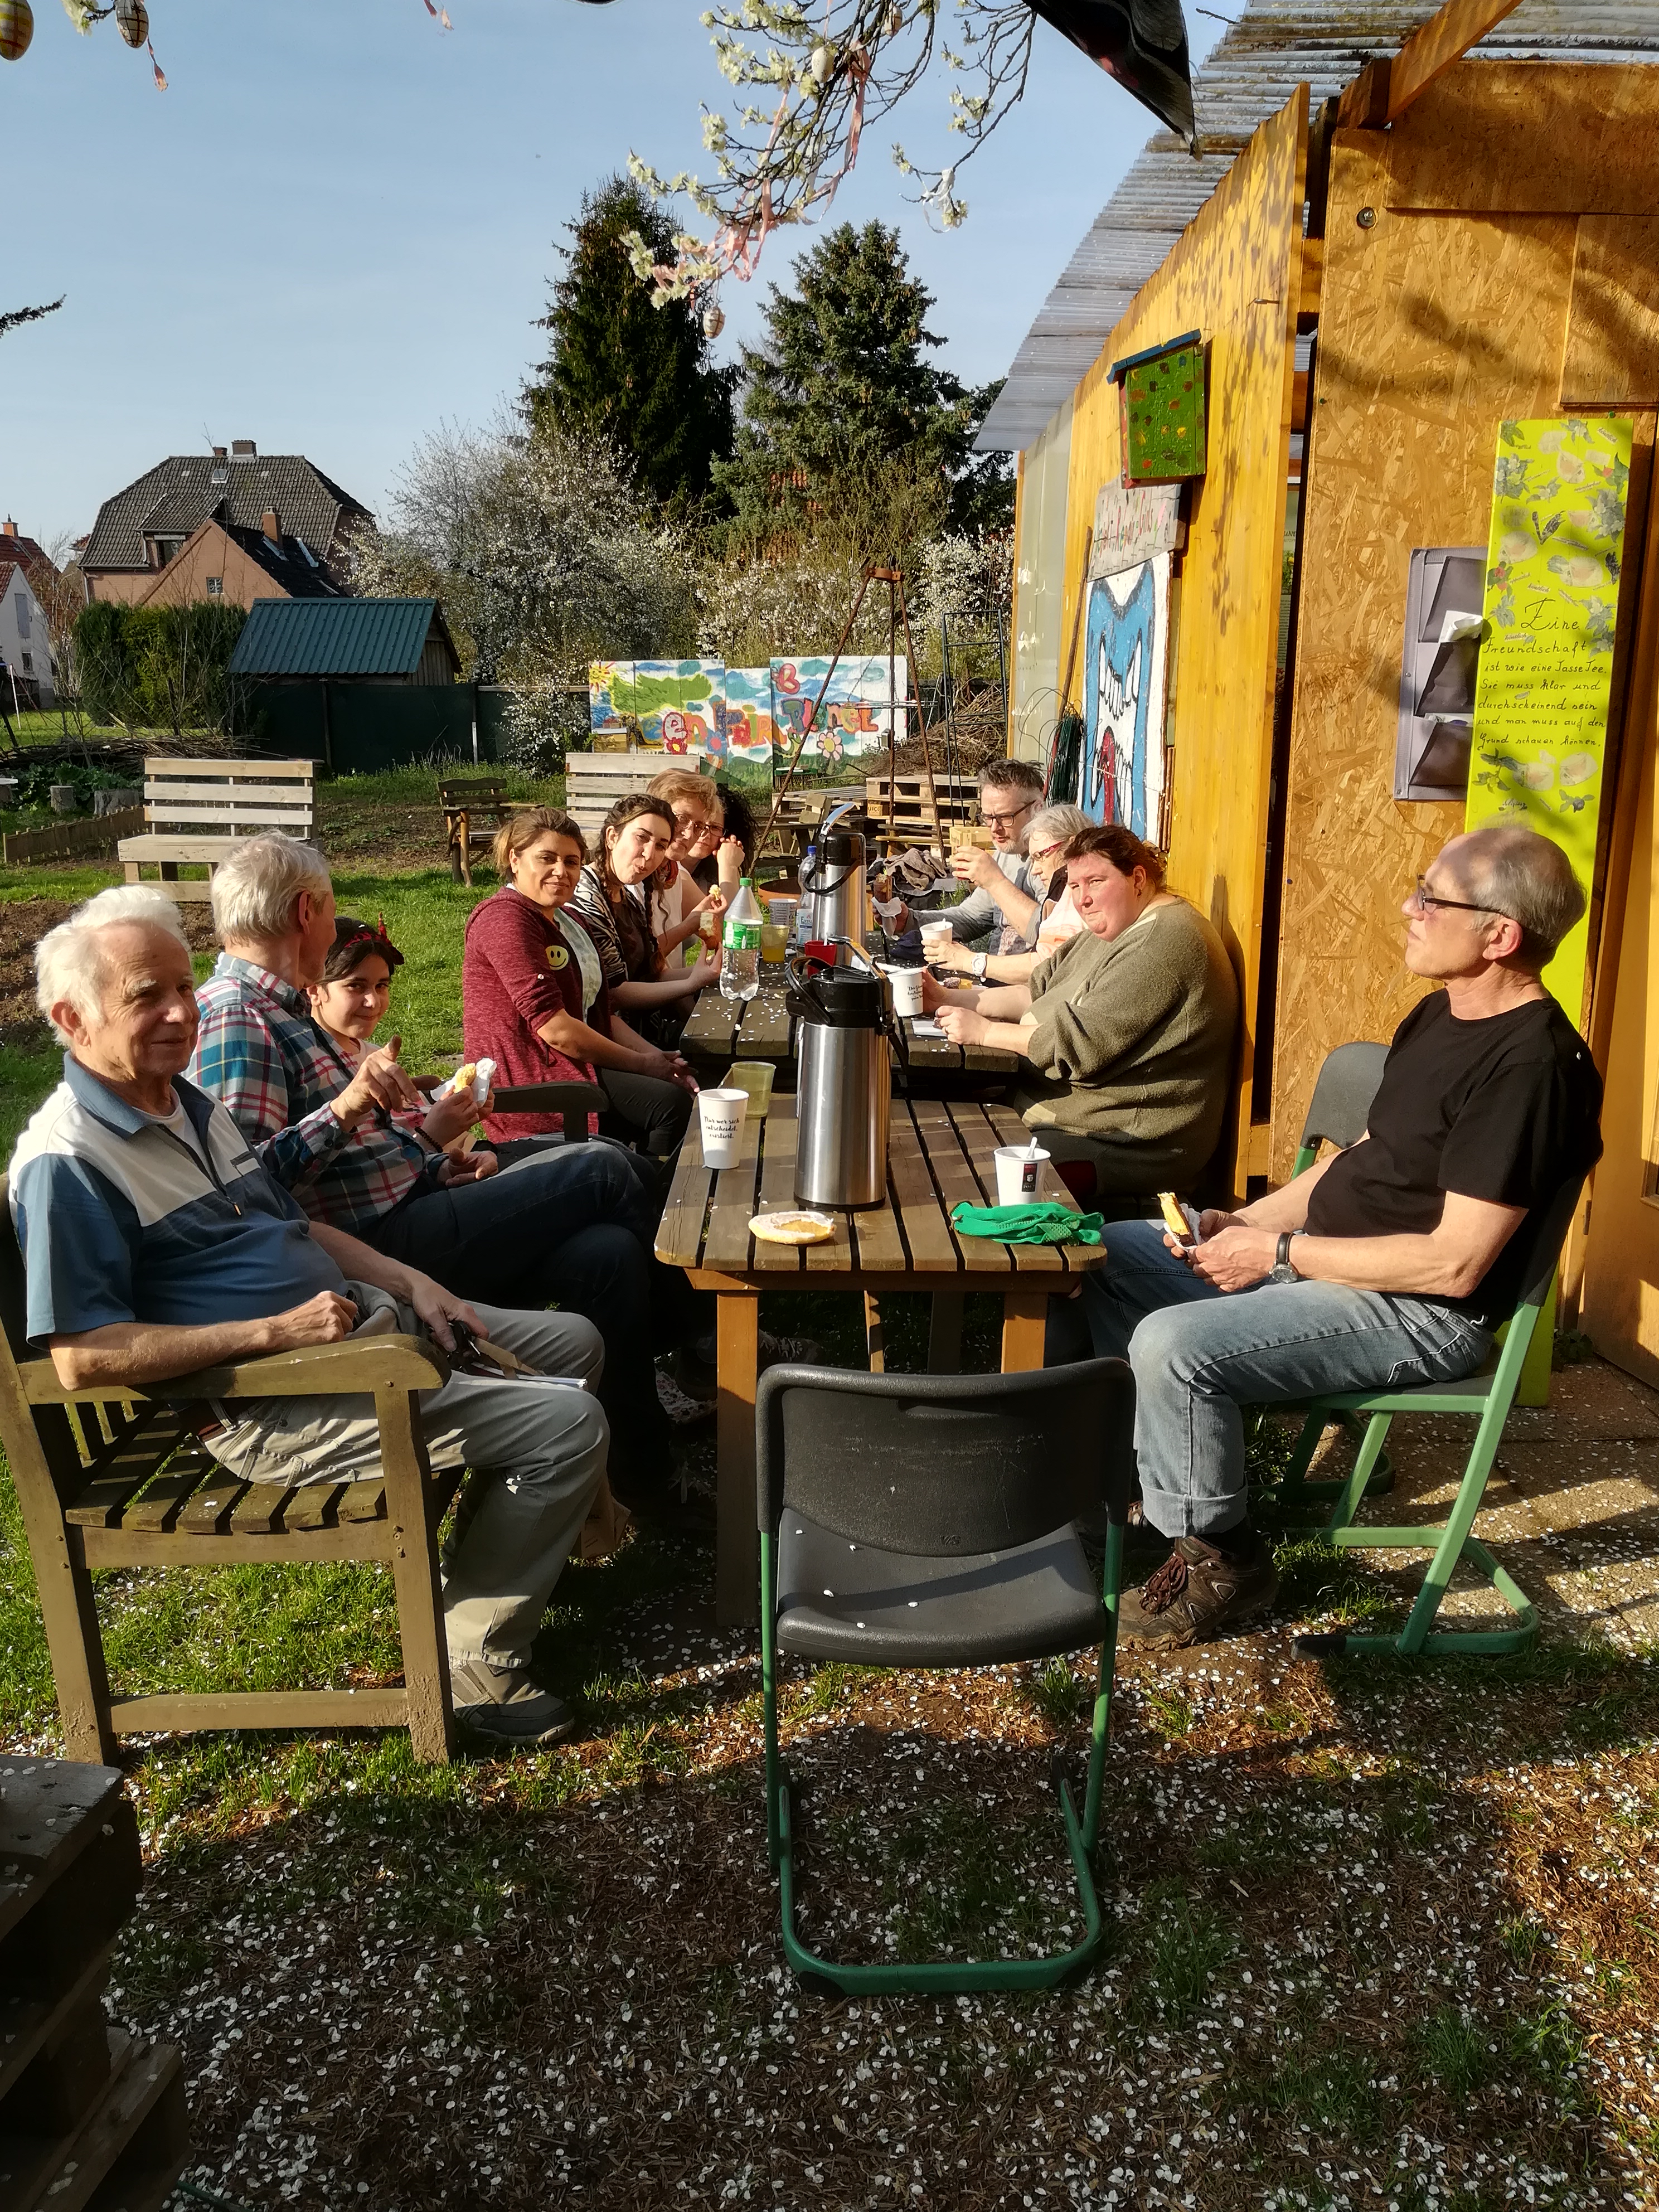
[1196,1593]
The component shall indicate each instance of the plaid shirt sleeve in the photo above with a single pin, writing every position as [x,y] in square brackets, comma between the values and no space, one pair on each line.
[237,1062]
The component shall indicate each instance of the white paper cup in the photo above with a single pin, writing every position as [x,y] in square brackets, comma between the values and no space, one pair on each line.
[720,1115]
[1018,1175]
[935,937]
[907,989]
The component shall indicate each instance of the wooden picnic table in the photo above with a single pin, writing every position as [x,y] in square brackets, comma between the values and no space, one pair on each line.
[937,1057]
[938,1152]
[722,1030]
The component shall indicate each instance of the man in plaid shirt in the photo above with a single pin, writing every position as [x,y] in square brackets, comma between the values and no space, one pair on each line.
[570,1225]
[326,1133]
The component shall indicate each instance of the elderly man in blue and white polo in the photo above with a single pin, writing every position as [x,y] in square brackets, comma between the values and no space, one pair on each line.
[156,1243]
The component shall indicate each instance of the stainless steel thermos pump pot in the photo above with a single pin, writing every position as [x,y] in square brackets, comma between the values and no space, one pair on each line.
[845,1089]
[832,890]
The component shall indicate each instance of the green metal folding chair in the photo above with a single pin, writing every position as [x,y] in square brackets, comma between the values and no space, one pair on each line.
[929,1521]
[1485,1398]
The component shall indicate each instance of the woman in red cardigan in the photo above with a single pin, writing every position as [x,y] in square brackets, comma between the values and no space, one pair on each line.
[534,998]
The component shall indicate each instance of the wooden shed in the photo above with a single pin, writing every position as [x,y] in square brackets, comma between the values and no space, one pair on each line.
[1389,261]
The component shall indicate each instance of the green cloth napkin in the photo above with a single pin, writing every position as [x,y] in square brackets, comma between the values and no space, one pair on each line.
[1027,1224]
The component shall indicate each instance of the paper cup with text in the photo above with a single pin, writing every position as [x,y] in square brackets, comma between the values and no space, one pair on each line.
[935,938]
[1017,1174]
[906,983]
[720,1115]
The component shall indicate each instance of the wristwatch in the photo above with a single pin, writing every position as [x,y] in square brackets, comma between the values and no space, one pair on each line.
[1281,1270]
[981,963]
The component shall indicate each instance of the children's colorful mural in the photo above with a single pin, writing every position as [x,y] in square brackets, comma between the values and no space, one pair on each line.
[703,708]
[856,713]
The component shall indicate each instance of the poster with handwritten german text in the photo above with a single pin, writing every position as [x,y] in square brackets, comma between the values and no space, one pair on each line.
[1553,560]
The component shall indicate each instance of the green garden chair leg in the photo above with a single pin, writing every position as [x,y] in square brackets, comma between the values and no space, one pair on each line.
[942,1977]
[1293,1490]
[1450,1542]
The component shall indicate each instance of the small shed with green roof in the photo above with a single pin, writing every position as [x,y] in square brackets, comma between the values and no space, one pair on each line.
[346,640]
[357,684]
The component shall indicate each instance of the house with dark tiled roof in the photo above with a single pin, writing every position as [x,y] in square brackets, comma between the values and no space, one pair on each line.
[30,554]
[238,508]
[221,559]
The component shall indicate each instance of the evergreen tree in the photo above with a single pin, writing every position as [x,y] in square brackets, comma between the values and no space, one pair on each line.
[843,385]
[636,373]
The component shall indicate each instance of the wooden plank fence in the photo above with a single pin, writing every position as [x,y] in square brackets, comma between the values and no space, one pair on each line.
[90,838]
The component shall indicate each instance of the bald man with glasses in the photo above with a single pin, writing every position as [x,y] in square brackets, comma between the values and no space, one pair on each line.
[1390,1263]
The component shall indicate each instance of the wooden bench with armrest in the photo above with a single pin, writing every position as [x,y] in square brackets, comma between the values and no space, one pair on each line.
[110,1477]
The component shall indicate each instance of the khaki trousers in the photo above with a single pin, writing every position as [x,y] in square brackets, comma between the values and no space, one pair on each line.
[540,1444]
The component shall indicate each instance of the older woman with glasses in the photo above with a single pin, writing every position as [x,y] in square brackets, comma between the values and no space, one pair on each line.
[1054,919]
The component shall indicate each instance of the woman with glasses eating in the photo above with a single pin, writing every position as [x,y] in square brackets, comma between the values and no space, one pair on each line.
[1054,919]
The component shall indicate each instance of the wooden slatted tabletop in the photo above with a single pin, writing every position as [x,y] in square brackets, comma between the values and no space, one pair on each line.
[939,1153]
[937,1056]
[722,1029]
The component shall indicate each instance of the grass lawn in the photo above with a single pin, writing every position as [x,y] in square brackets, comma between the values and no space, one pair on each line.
[1380,1941]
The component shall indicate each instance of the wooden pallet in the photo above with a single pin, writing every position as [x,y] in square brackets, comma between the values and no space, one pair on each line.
[903,809]
[90,2119]
[197,811]
[593,782]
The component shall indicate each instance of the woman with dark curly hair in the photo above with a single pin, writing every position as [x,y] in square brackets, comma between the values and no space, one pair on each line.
[612,903]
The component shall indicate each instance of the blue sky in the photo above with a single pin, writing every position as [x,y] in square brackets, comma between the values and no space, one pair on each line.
[334,230]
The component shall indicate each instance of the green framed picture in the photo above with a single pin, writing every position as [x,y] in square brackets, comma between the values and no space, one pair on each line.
[1161,397]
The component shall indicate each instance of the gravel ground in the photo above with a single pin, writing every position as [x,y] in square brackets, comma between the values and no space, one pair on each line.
[1384,1938]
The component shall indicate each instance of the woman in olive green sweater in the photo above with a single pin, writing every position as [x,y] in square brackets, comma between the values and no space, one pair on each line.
[1128,1028]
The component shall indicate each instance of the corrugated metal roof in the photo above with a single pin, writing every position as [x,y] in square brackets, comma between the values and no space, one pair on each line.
[333,637]
[1273,47]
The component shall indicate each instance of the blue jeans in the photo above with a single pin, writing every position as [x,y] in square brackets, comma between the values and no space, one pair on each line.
[1200,1354]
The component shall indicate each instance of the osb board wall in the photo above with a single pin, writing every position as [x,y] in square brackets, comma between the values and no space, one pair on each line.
[1234,274]
[1618,1299]
[1433,326]
[1529,138]
[1610,356]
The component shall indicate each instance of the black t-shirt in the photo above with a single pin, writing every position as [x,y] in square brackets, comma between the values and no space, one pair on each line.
[1504,1109]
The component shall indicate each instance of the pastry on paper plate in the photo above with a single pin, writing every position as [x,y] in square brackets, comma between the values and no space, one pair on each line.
[796,1228]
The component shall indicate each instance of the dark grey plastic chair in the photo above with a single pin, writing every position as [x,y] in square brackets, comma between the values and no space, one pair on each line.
[929,1521]
[1341,1103]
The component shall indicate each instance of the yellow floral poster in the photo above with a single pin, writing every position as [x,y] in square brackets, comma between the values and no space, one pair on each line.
[1541,709]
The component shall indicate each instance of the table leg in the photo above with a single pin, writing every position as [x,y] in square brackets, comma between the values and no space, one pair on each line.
[945,1333]
[737,1543]
[874,1342]
[1025,1319]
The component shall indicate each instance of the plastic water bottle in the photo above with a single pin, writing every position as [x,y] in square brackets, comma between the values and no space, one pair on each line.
[740,952]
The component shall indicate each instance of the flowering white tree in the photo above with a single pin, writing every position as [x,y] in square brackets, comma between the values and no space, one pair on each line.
[545,555]
[810,80]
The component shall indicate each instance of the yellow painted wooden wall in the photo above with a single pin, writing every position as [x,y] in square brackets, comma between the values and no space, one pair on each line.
[1449,307]
[1235,275]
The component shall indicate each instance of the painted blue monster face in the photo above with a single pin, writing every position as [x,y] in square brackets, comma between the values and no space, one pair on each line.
[1119,655]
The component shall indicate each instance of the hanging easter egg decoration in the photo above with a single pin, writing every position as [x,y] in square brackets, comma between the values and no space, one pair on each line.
[823,60]
[16,29]
[713,319]
[133,20]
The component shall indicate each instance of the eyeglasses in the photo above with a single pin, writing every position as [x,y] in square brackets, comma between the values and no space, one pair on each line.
[1039,853]
[1426,901]
[990,819]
